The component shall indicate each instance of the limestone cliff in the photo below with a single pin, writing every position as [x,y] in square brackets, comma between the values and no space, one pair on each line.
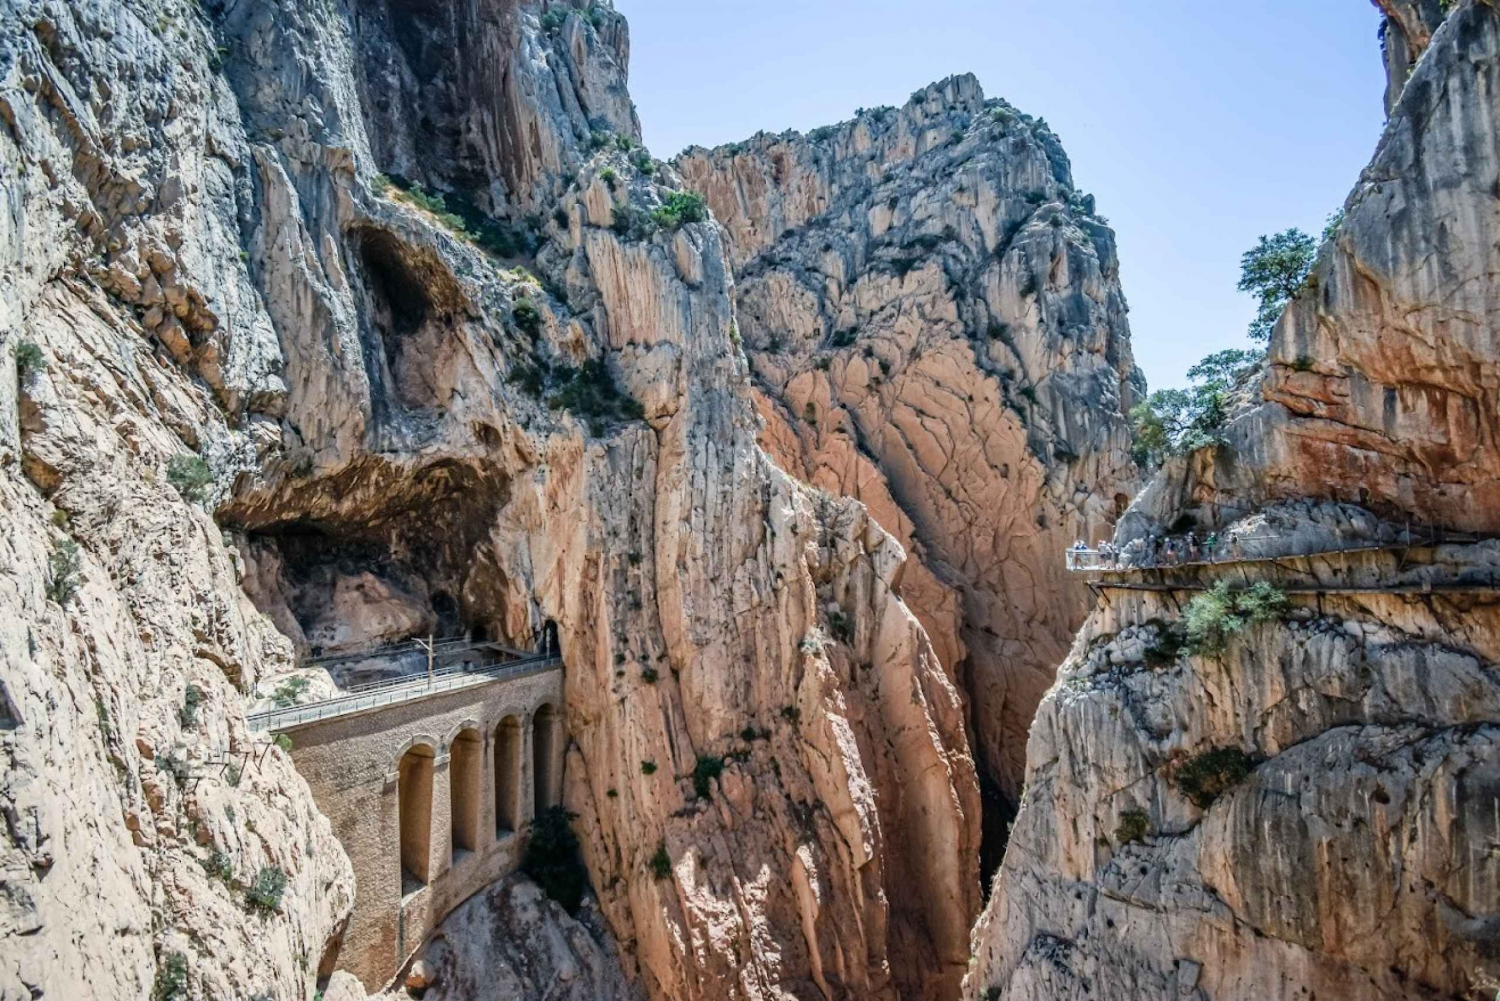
[935,326]
[1310,811]
[520,403]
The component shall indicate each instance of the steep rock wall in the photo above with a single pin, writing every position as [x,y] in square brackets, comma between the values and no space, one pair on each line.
[935,324]
[1349,859]
[523,406]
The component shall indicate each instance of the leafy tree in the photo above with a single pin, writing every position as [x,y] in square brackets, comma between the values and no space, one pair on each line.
[1214,616]
[1224,368]
[1179,421]
[1276,269]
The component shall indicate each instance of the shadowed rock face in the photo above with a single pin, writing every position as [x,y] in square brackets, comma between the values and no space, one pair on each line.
[1404,36]
[935,325]
[209,261]
[1350,859]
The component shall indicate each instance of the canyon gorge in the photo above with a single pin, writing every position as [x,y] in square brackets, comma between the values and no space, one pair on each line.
[739,485]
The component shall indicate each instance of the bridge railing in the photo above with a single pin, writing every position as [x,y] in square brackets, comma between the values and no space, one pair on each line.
[393,690]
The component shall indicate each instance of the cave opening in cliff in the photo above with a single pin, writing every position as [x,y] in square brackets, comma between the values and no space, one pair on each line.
[464,768]
[410,298]
[546,758]
[399,295]
[507,776]
[376,556]
[414,802]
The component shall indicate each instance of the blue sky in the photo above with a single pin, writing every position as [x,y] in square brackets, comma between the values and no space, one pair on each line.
[1197,125]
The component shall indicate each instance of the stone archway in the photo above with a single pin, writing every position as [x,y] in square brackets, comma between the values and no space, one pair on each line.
[546,757]
[414,799]
[508,763]
[465,768]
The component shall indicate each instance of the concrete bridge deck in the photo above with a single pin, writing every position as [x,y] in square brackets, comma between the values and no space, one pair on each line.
[361,698]
[430,782]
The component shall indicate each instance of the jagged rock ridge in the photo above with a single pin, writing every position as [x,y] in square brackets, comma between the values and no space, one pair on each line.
[934,319]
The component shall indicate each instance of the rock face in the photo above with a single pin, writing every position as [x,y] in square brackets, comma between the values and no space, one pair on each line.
[139,812]
[1307,812]
[520,406]
[1404,36]
[935,326]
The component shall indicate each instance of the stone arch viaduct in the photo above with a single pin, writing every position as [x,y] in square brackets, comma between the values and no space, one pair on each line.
[430,791]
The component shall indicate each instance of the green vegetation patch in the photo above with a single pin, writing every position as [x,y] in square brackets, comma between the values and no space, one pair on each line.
[590,391]
[552,860]
[171,978]
[708,768]
[190,476]
[680,208]
[62,571]
[1134,826]
[1216,615]
[661,862]
[1206,777]
[264,893]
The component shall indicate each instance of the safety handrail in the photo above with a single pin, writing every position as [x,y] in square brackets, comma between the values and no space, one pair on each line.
[396,690]
[1231,550]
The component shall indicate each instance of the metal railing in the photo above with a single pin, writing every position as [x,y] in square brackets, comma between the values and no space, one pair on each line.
[1241,549]
[395,690]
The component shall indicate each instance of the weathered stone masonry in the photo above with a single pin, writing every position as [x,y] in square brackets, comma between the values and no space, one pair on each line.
[430,799]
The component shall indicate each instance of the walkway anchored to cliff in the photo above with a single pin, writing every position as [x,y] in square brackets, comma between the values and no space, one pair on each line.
[1164,555]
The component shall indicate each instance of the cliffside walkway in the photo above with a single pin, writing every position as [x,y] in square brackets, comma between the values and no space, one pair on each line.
[378,694]
[1235,551]
[1107,571]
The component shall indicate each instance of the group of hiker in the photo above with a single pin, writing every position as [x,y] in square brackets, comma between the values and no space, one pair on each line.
[1155,551]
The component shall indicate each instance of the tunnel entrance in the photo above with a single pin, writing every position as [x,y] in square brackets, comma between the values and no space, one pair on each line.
[414,799]
[546,758]
[507,776]
[464,768]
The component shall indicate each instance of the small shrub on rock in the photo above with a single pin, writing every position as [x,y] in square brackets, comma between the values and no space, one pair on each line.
[288,692]
[681,208]
[705,771]
[1206,777]
[528,317]
[266,889]
[661,862]
[187,716]
[63,566]
[1134,826]
[29,360]
[1216,615]
[190,475]
[648,768]
[171,978]
[284,742]
[219,865]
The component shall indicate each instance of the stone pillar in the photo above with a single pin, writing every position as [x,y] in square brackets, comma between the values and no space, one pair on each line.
[440,845]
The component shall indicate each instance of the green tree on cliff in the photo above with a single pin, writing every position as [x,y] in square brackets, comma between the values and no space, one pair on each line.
[1179,421]
[1275,270]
